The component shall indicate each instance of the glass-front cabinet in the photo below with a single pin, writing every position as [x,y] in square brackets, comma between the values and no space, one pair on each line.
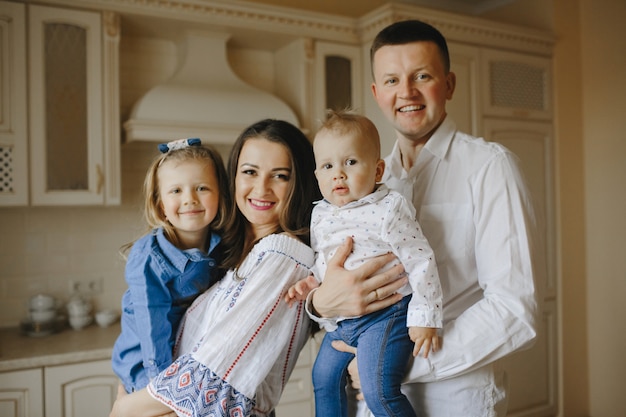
[59,106]
[68,145]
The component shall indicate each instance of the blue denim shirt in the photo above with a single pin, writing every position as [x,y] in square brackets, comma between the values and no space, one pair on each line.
[162,282]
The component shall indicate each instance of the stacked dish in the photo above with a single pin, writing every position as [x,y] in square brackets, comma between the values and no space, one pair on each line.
[43,316]
[79,310]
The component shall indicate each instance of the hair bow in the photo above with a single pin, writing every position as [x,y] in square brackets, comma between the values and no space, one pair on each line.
[179,144]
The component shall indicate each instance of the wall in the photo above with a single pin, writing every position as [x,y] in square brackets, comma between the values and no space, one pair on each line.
[574,382]
[603,45]
[41,249]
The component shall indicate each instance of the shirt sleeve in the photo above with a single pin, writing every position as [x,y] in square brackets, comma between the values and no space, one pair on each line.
[502,319]
[241,330]
[152,301]
[406,240]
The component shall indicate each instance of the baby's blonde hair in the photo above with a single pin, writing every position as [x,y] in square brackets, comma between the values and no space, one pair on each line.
[347,121]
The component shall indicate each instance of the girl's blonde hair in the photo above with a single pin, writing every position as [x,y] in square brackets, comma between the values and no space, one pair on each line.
[153,212]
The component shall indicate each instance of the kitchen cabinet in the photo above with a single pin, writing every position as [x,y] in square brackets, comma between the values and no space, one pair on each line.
[13,120]
[337,79]
[74,390]
[297,398]
[21,393]
[518,85]
[81,389]
[505,97]
[74,133]
[59,132]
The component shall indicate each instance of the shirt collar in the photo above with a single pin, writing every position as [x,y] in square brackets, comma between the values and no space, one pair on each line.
[437,145]
[440,141]
[180,258]
[378,194]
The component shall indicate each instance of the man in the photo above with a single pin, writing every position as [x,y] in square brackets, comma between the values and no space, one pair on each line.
[476,212]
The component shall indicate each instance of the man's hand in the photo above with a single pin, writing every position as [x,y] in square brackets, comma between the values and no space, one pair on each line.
[357,292]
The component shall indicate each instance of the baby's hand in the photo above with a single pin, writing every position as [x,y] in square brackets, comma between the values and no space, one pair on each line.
[425,339]
[300,290]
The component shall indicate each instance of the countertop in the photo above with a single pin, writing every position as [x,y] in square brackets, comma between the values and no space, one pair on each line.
[18,351]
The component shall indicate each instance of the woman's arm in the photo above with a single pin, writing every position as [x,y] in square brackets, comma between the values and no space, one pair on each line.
[357,292]
[140,404]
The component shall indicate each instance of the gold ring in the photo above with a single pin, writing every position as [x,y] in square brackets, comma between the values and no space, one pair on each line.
[377,295]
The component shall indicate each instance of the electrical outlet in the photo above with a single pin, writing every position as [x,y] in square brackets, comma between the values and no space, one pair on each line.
[86,287]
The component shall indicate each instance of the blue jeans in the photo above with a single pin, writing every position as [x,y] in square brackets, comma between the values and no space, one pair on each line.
[384,349]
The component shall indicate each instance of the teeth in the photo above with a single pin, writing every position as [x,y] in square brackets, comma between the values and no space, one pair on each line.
[412,108]
[260,203]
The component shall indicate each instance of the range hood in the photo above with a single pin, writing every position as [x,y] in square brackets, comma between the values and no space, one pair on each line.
[203,99]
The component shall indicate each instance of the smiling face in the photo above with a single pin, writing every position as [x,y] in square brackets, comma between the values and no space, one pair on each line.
[262,184]
[189,194]
[347,166]
[411,87]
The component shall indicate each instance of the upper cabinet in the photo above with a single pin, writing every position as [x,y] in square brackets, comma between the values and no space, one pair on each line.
[519,85]
[13,120]
[337,80]
[71,151]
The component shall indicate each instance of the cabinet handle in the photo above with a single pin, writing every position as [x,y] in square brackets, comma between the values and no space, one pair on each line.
[100,183]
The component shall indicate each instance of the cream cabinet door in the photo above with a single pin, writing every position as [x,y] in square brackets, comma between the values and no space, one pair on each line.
[79,390]
[21,393]
[297,398]
[13,121]
[73,106]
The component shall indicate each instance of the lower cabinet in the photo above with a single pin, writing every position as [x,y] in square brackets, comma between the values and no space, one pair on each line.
[297,398]
[77,390]
[89,389]
[21,393]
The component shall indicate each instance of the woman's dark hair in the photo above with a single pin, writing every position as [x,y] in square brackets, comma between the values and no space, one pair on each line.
[408,31]
[303,188]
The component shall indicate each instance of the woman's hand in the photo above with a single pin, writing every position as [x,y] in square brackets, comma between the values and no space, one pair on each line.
[357,292]
[140,404]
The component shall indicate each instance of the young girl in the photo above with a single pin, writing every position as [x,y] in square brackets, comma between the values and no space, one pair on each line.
[239,341]
[186,202]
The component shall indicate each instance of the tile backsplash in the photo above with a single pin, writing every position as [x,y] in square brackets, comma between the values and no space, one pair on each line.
[42,249]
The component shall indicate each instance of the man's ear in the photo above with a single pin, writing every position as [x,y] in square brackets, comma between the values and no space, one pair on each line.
[451,84]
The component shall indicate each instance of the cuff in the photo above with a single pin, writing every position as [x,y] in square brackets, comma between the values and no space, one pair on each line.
[327,324]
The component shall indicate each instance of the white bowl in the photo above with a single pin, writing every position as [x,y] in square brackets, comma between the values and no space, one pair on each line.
[78,308]
[42,316]
[42,302]
[80,322]
[105,318]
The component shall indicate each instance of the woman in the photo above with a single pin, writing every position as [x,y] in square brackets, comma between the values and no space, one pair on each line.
[239,341]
